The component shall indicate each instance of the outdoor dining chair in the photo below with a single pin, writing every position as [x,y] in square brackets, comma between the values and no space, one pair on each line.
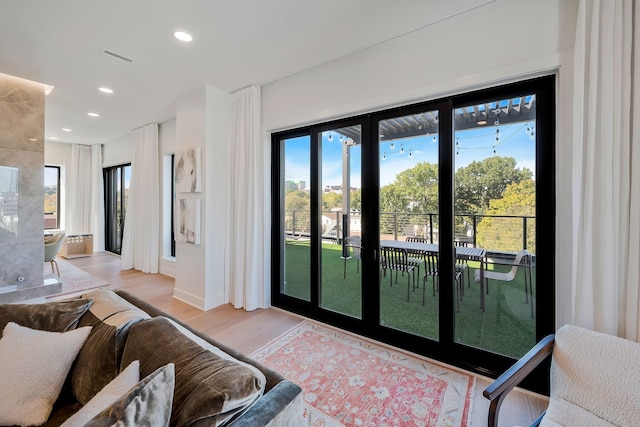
[354,245]
[397,259]
[523,259]
[431,268]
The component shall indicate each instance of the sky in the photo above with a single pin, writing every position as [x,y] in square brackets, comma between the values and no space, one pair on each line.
[473,144]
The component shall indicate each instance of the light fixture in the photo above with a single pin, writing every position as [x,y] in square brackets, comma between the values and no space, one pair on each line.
[410,154]
[105,90]
[66,129]
[384,156]
[33,139]
[182,36]
[53,137]
[401,148]
[93,114]
[392,146]
[330,137]
[481,122]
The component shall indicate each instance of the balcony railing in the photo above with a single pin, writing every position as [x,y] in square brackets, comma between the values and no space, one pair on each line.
[502,233]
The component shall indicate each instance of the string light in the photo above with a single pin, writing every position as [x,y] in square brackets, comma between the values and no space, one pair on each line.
[330,136]
[410,154]
[401,148]
[384,156]
[392,146]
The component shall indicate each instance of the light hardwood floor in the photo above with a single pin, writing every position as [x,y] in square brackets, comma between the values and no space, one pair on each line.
[247,331]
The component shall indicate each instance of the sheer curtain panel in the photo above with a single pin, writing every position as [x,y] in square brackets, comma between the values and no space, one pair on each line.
[606,168]
[246,208]
[80,186]
[141,237]
[97,198]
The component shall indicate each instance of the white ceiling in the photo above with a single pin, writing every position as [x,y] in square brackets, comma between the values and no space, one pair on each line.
[236,43]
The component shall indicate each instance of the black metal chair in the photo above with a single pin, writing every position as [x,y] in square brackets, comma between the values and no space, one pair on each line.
[397,259]
[354,245]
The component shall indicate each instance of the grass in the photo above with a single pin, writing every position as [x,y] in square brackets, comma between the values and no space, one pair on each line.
[506,326]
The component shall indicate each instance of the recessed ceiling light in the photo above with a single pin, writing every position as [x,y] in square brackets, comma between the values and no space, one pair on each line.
[105,90]
[66,129]
[94,114]
[53,137]
[182,36]
[482,122]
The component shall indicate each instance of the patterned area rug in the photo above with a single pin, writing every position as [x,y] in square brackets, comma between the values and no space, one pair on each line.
[73,279]
[350,381]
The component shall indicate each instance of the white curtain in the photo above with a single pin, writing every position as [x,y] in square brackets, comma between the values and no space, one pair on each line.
[79,212]
[246,206]
[606,168]
[140,241]
[97,199]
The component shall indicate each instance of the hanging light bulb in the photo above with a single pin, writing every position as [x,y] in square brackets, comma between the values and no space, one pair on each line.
[401,148]
[330,137]
[392,146]
[384,156]
[340,138]
[435,139]
[494,149]
[410,154]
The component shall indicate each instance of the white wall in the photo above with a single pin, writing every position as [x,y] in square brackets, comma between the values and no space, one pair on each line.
[118,151]
[504,41]
[202,121]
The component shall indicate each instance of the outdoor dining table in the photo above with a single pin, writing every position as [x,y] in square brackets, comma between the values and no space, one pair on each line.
[462,252]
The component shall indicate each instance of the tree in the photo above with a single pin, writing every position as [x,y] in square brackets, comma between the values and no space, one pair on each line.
[505,234]
[420,187]
[356,200]
[297,200]
[482,181]
[331,200]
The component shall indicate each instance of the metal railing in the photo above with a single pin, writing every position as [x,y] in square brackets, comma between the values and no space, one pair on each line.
[498,232]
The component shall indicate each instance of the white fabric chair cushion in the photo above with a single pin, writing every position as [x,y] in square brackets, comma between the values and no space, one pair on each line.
[594,380]
[33,367]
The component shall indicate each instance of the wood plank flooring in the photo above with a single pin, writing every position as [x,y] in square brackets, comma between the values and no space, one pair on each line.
[247,331]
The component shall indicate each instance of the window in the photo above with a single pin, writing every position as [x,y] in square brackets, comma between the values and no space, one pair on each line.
[440,198]
[116,192]
[51,197]
[173,206]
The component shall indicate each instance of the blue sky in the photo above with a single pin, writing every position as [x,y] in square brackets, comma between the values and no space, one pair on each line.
[474,144]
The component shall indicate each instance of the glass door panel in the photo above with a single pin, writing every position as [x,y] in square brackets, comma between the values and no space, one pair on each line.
[408,209]
[340,225]
[296,218]
[495,214]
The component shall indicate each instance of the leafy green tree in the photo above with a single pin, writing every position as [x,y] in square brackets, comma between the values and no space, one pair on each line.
[420,187]
[331,200]
[482,181]
[297,200]
[356,200]
[505,234]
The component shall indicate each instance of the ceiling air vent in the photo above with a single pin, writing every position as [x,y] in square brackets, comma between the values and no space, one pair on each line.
[116,56]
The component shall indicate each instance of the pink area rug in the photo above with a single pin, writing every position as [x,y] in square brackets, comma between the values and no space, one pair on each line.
[73,279]
[351,381]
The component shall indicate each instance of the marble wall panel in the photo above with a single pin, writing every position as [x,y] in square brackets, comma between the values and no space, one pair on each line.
[21,114]
[22,147]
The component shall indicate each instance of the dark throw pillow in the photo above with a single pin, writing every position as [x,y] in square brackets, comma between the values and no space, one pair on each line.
[98,362]
[210,384]
[57,316]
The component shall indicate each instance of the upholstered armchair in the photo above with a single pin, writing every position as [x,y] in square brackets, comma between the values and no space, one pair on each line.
[52,246]
[595,380]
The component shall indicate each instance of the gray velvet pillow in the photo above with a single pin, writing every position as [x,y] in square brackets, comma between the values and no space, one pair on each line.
[147,404]
[98,362]
[59,316]
[210,384]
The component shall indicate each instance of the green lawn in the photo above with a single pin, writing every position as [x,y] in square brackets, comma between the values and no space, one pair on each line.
[505,327]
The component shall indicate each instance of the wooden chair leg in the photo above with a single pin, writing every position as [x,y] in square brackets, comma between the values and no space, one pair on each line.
[54,262]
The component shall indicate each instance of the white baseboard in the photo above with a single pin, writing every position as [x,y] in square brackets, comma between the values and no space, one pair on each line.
[188,298]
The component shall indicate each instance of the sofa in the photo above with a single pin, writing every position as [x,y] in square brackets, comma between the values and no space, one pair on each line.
[593,380]
[122,361]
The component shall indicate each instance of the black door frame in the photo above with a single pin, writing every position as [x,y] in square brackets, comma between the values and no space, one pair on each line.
[446,349]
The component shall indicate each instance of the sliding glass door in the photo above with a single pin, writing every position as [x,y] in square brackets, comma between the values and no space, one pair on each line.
[116,192]
[423,226]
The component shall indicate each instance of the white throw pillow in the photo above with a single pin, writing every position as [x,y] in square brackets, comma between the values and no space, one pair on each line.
[33,367]
[113,391]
